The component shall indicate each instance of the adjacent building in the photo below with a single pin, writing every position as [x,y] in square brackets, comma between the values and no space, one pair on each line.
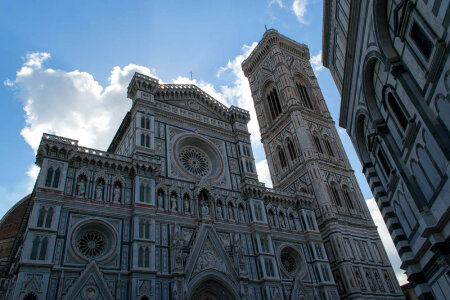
[389,60]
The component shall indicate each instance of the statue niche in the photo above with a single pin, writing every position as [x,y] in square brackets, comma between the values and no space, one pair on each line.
[117,192]
[81,186]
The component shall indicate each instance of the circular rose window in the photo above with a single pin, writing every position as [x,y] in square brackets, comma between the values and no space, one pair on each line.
[91,244]
[196,156]
[291,261]
[194,160]
[288,262]
[94,239]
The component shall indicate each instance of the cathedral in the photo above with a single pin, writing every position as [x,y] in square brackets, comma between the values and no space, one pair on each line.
[174,209]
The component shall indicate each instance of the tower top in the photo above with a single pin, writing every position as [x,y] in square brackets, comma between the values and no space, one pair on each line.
[272,38]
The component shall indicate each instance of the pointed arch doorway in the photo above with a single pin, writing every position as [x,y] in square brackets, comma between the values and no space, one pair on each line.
[212,289]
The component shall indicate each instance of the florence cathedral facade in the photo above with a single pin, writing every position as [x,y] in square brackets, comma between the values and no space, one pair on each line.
[174,209]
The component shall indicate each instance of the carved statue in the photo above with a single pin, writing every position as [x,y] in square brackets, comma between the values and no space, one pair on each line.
[282,222]
[99,191]
[186,205]
[160,200]
[81,187]
[205,208]
[173,202]
[117,193]
[219,211]
[230,212]
[241,214]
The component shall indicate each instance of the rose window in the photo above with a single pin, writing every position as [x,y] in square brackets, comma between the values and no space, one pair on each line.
[292,263]
[91,244]
[194,161]
[288,262]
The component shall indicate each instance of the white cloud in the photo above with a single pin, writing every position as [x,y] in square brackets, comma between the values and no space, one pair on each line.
[299,9]
[8,82]
[279,2]
[239,92]
[387,240]
[263,172]
[316,62]
[72,104]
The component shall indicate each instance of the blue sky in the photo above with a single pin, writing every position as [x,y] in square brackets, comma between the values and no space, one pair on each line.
[65,66]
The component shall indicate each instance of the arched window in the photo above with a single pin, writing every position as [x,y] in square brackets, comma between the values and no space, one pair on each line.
[142,139]
[317,143]
[384,162]
[41,217]
[43,248]
[48,219]
[147,193]
[397,111]
[142,122]
[141,228]
[142,193]
[48,179]
[147,141]
[274,103]
[328,147]
[56,178]
[282,157]
[146,257]
[304,96]
[347,198]
[291,149]
[335,194]
[147,123]
[140,257]
[147,230]
[35,248]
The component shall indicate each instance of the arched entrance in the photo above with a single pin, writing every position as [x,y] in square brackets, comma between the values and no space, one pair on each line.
[211,289]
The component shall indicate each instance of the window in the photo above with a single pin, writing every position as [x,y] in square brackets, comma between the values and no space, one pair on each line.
[335,195]
[142,122]
[264,244]
[142,139]
[319,252]
[45,215]
[328,148]
[291,149]
[274,104]
[144,229]
[258,211]
[39,248]
[48,219]
[304,96]
[147,123]
[397,111]
[317,144]
[325,273]
[347,198]
[282,157]
[144,193]
[421,39]
[48,179]
[143,257]
[147,141]
[384,163]
[269,267]
[56,178]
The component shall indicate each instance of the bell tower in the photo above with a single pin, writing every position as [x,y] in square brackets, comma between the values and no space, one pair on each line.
[305,155]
